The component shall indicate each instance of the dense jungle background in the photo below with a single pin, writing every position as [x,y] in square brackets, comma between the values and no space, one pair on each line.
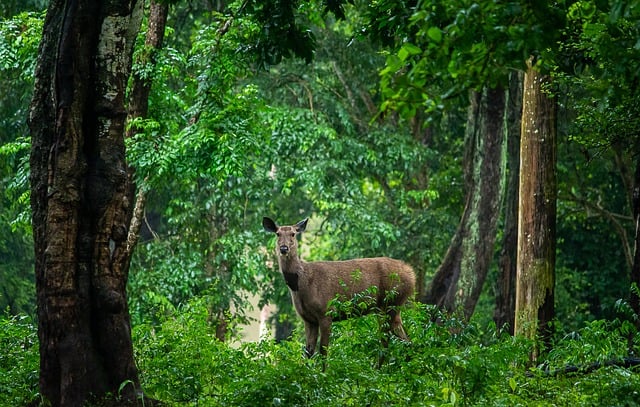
[361,117]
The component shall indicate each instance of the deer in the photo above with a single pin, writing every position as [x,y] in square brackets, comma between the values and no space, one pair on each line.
[315,285]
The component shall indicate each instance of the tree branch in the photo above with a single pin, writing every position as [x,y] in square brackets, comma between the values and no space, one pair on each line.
[614,218]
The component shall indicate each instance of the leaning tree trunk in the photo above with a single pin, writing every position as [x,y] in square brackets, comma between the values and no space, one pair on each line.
[504,315]
[79,200]
[459,279]
[139,106]
[537,211]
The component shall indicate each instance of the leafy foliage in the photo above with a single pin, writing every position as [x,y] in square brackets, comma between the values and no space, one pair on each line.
[281,34]
[19,359]
[9,8]
[200,168]
[251,150]
[19,39]
[447,363]
[596,70]
[226,143]
[448,47]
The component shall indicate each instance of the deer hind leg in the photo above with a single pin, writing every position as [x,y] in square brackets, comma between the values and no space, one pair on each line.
[392,324]
[396,325]
[311,334]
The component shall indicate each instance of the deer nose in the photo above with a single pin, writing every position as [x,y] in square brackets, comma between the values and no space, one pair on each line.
[284,249]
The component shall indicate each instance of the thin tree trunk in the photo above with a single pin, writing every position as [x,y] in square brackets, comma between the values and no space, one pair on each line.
[139,107]
[537,211]
[634,299]
[79,200]
[506,285]
[458,281]
[141,87]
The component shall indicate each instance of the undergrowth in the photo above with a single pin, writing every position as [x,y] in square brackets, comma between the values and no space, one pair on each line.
[447,363]
[19,360]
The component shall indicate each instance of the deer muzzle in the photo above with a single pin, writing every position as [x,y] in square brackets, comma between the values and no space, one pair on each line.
[284,249]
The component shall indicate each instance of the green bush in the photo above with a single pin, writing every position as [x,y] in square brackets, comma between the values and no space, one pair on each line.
[447,363]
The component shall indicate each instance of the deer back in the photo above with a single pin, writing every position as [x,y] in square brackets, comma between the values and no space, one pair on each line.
[394,280]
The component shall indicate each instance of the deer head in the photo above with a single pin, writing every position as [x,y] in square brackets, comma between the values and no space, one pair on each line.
[287,242]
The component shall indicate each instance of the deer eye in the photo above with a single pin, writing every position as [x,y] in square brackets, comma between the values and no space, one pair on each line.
[293,235]
[278,234]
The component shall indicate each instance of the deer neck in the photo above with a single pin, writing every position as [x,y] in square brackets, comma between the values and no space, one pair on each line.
[291,268]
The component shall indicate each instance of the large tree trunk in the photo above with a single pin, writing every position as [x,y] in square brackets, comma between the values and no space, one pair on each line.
[537,211]
[459,279]
[504,315]
[79,200]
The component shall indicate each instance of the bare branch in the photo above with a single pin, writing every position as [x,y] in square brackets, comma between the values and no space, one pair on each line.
[615,220]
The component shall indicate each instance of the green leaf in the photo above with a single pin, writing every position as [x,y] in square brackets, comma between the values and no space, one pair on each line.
[408,50]
[435,34]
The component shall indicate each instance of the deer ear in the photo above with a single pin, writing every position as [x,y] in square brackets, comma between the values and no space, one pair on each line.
[302,225]
[269,225]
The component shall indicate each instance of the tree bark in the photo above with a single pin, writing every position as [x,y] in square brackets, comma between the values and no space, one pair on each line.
[139,107]
[459,279]
[504,313]
[80,210]
[634,299]
[141,87]
[537,211]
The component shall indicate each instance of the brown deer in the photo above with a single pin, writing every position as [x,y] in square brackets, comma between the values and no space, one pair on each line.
[314,285]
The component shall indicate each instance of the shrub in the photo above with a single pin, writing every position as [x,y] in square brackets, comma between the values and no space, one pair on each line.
[447,363]
[19,360]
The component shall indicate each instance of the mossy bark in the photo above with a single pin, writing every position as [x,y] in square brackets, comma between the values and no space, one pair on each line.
[458,281]
[634,299]
[505,291]
[537,211]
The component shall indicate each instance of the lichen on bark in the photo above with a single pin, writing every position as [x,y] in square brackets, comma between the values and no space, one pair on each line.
[536,211]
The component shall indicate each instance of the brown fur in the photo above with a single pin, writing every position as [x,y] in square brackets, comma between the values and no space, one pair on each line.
[313,285]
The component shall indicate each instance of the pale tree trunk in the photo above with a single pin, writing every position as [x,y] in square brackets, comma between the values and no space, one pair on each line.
[458,281]
[537,212]
[139,106]
[504,316]
[79,200]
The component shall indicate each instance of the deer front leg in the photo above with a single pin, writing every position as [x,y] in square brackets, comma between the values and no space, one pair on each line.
[325,333]
[311,334]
